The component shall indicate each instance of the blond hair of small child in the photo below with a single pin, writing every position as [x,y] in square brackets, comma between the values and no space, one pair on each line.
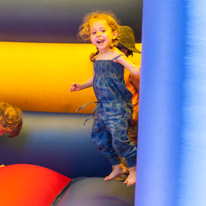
[10,119]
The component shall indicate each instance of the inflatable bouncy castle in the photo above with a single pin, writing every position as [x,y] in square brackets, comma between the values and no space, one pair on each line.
[52,161]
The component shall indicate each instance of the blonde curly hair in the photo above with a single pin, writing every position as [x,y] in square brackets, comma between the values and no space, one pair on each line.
[108,16]
[10,119]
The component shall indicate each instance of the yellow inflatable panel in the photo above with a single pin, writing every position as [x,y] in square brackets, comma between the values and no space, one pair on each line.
[37,76]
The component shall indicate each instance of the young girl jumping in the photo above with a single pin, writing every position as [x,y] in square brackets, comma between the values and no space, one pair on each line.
[113,112]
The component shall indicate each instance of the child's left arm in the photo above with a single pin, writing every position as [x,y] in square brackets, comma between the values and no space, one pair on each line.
[127,63]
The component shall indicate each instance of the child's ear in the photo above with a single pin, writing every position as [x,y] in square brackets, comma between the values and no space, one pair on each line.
[115,34]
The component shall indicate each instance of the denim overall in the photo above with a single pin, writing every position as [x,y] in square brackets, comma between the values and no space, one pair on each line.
[113,113]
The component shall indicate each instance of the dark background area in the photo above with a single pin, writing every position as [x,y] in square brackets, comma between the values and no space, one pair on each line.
[57,21]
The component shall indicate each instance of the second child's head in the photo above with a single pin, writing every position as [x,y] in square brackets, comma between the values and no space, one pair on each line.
[127,41]
[10,119]
[101,28]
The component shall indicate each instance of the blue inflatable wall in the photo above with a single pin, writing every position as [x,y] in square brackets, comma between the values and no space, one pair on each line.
[171,156]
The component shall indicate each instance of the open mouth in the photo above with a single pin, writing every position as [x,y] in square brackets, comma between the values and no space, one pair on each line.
[100,41]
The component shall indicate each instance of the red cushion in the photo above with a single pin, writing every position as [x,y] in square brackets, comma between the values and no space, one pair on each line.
[25,184]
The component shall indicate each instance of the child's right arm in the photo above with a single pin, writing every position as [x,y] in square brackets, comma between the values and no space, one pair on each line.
[77,86]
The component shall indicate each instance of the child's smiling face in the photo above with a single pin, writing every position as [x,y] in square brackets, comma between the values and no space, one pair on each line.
[101,34]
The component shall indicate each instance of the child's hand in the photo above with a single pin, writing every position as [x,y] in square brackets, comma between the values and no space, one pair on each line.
[75,87]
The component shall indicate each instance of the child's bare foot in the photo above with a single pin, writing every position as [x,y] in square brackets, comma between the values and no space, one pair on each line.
[131,179]
[117,171]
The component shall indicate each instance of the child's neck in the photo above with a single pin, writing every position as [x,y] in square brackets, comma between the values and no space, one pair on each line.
[106,54]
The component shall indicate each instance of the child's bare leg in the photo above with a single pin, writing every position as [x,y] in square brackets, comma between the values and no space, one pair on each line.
[131,179]
[118,170]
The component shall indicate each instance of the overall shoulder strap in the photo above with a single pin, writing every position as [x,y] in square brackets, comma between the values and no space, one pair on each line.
[117,57]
